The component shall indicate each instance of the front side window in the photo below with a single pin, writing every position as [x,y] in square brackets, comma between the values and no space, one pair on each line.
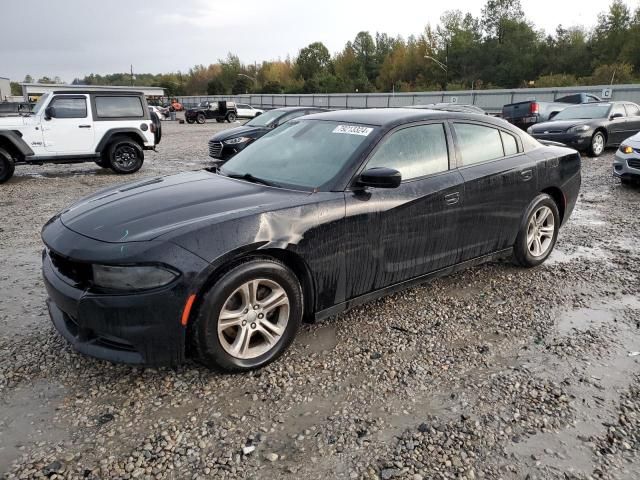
[67,107]
[119,107]
[618,108]
[414,151]
[477,143]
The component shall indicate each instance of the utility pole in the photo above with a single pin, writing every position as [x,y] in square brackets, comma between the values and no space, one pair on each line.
[132,77]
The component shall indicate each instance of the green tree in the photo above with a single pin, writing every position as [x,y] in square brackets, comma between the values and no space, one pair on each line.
[215,87]
[496,13]
[16,88]
[313,60]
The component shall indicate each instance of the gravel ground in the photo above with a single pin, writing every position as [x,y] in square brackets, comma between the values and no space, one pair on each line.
[496,372]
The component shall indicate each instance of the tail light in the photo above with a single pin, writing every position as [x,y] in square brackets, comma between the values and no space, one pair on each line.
[534,108]
[153,128]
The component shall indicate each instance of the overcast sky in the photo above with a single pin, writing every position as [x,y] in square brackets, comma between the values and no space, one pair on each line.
[72,38]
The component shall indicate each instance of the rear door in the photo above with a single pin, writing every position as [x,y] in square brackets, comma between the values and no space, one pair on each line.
[70,131]
[617,126]
[404,232]
[499,182]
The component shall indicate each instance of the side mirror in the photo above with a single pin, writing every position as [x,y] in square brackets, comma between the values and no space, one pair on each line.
[380,177]
[616,115]
[49,113]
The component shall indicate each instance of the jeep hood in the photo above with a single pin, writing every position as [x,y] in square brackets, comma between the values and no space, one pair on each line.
[147,209]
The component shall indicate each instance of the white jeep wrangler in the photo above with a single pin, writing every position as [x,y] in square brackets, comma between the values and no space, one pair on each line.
[110,128]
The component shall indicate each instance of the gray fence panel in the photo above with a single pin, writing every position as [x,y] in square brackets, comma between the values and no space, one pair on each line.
[338,101]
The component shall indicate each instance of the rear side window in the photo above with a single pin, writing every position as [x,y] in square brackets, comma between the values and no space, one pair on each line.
[67,107]
[510,143]
[414,151]
[478,144]
[119,107]
[632,110]
[618,108]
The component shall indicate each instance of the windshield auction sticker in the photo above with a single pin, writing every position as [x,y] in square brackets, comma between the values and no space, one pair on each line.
[353,130]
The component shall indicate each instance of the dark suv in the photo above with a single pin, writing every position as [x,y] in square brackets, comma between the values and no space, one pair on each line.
[226,144]
[218,111]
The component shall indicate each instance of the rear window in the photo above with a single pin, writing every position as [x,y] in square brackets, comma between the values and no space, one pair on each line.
[478,143]
[119,107]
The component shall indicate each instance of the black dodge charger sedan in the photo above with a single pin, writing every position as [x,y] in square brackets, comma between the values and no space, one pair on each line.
[327,212]
[591,127]
[227,143]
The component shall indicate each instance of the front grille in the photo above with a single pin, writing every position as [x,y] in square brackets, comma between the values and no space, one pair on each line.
[79,273]
[215,149]
[634,163]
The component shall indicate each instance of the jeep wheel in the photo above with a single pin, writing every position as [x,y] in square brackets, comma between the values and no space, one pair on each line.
[125,156]
[7,166]
[231,117]
[189,120]
[200,118]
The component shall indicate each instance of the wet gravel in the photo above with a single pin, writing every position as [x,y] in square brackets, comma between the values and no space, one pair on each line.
[496,372]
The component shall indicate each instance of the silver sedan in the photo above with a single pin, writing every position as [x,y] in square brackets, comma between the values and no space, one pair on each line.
[626,165]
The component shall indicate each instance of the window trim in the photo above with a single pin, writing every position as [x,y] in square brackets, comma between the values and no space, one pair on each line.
[461,166]
[448,139]
[72,97]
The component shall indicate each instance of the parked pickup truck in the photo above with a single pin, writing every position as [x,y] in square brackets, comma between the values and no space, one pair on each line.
[525,114]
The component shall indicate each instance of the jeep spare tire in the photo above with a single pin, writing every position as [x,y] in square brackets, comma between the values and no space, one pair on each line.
[7,165]
[125,156]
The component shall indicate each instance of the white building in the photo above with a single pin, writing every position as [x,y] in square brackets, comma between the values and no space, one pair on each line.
[5,89]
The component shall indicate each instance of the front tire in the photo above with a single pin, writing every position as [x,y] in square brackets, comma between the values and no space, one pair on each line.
[231,117]
[249,316]
[7,166]
[189,120]
[201,118]
[538,232]
[125,156]
[597,145]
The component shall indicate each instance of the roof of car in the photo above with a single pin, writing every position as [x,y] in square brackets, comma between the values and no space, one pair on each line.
[390,117]
[100,91]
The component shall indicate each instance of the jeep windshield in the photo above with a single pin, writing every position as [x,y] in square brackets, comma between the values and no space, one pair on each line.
[302,154]
[41,101]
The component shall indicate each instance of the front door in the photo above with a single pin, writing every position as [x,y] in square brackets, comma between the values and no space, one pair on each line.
[401,233]
[69,131]
[499,182]
[618,126]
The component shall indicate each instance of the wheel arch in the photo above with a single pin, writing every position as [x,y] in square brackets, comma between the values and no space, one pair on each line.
[559,198]
[604,131]
[109,135]
[13,143]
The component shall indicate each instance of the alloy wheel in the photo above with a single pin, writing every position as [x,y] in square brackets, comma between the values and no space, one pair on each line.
[253,318]
[597,144]
[540,231]
[126,157]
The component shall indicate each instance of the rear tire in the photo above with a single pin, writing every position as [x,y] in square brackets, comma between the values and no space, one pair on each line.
[201,118]
[125,156]
[7,165]
[538,232]
[262,302]
[597,145]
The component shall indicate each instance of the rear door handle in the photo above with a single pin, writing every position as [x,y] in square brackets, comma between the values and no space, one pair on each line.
[452,198]
[526,175]
[84,126]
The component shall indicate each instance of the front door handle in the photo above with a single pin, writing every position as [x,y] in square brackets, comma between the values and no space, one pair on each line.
[526,175]
[84,126]
[452,198]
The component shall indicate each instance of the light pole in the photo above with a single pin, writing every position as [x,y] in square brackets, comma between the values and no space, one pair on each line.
[442,66]
[255,80]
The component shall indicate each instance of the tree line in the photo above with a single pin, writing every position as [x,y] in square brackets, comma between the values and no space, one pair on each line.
[499,49]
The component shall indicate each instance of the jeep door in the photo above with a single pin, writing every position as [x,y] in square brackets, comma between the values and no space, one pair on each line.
[67,126]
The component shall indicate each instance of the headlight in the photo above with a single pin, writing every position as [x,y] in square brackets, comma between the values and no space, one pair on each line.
[530,130]
[579,128]
[141,277]
[626,149]
[237,140]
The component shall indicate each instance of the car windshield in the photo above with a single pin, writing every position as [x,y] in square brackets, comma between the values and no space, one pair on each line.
[583,112]
[302,153]
[265,119]
[41,101]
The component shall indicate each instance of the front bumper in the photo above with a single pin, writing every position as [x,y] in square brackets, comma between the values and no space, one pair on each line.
[579,141]
[141,328]
[627,165]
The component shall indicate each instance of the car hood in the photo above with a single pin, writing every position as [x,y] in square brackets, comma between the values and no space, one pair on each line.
[560,125]
[13,120]
[244,131]
[147,209]
[633,141]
